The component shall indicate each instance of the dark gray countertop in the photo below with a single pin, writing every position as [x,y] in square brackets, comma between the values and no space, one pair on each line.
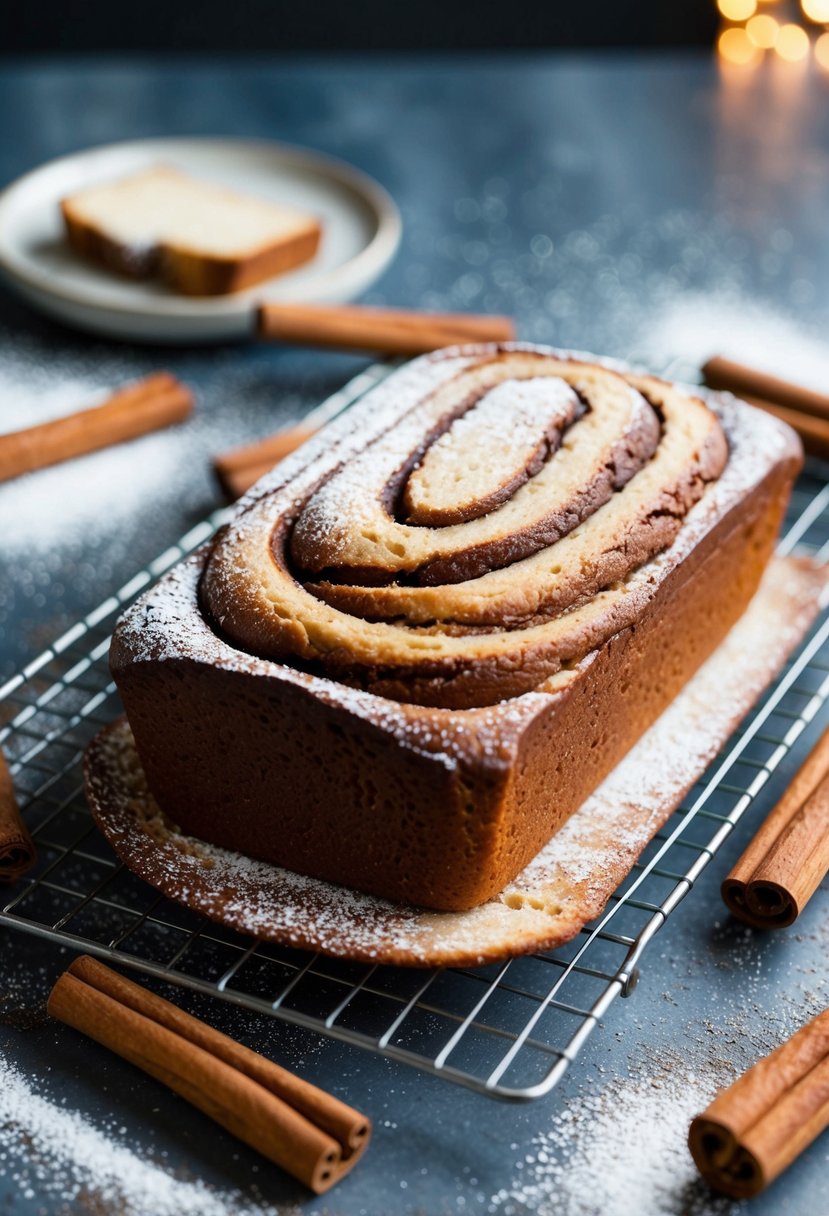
[620,204]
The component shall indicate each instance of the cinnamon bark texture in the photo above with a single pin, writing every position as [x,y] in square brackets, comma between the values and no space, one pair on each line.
[17,851]
[306,1131]
[737,378]
[148,405]
[390,331]
[783,866]
[754,1130]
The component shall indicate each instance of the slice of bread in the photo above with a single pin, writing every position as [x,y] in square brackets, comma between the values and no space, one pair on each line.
[201,239]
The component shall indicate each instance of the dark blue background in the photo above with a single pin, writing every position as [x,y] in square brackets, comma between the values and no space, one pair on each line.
[278,25]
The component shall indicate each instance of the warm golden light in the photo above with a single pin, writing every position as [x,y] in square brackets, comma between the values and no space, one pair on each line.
[816,10]
[763,31]
[792,43]
[735,46]
[737,10]
[822,51]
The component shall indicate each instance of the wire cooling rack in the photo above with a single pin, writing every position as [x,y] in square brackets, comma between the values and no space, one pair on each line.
[508,1030]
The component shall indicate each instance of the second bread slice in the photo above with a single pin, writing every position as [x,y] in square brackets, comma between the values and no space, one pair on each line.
[201,239]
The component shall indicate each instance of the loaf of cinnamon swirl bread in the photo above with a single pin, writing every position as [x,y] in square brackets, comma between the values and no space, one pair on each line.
[428,635]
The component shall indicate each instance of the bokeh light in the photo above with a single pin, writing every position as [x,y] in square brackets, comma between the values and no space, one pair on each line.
[763,31]
[792,42]
[735,46]
[737,10]
[816,10]
[822,52]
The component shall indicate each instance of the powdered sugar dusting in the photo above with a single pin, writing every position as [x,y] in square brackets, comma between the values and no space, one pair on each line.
[696,326]
[37,386]
[52,1151]
[621,1150]
[565,886]
[505,429]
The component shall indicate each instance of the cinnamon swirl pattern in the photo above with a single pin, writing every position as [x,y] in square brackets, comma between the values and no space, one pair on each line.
[466,541]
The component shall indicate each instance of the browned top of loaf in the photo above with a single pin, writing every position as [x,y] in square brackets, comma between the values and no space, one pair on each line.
[478,524]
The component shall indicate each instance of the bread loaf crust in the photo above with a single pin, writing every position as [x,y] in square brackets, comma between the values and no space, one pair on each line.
[431,806]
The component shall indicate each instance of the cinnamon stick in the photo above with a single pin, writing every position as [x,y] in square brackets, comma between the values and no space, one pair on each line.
[306,1131]
[784,864]
[752,1131]
[17,850]
[814,432]
[148,405]
[238,469]
[740,379]
[391,331]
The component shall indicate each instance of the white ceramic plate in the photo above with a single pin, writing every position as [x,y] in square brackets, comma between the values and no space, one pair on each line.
[361,233]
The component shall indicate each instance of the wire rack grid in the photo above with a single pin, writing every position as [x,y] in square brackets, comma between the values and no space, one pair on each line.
[509,1030]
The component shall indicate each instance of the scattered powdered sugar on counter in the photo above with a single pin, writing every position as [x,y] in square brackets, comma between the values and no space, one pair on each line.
[54,1152]
[91,495]
[38,385]
[618,1145]
[101,501]
[621,1150]
[695,326]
